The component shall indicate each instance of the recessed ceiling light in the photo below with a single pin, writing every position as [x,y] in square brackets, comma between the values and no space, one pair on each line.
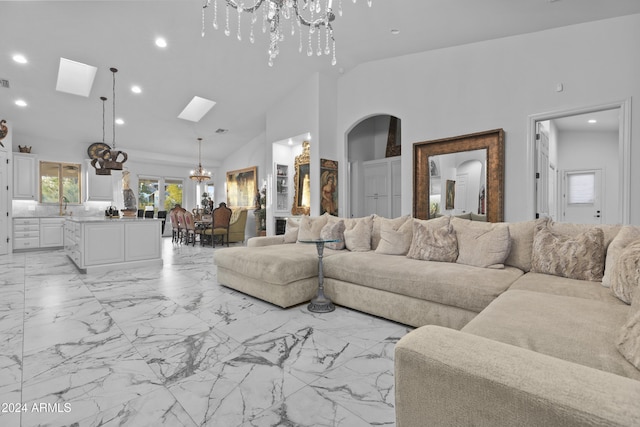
[395,31]
[136,89]
[592,121]
[20,59]
[290,142]
[21,103]
[119,121]
[160,42]
[196,109]
[75,77]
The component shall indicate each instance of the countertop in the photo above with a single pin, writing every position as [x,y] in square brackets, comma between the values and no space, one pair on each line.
[107,219]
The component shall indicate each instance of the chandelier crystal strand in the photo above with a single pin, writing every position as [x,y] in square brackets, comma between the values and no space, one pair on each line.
[333,60]
[239,9]
[226,28]
[215,14]
[203,8]
[313,14]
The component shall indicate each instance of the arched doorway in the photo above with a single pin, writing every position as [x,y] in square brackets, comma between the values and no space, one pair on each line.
[373,156]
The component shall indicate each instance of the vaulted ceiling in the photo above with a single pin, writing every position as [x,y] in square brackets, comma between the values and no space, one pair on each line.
[233,73]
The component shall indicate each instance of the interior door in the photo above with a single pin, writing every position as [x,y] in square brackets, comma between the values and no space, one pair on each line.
[4,204]
[460,198]
[542,172]
[582,196]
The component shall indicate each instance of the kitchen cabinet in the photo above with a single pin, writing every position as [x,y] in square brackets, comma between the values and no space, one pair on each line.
[96,244]
[25,183]
[99,187]
[51,232]
[26,233]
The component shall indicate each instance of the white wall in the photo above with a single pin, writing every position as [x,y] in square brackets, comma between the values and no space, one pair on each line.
[498,84]
[593,150]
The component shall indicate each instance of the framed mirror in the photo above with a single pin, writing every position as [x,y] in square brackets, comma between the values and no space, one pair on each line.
[460,175]
[302,192]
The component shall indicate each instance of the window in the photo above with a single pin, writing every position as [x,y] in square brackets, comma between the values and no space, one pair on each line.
[172,193]
[149,193]
[581,187]
[60,182]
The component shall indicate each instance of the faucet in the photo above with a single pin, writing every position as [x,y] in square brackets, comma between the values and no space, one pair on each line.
[66,201]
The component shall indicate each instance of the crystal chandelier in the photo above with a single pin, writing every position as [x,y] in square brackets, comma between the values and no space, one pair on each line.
[200,174]
[314,15]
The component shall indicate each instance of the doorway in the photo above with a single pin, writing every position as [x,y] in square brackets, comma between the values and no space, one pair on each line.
[4,204]
[578,146]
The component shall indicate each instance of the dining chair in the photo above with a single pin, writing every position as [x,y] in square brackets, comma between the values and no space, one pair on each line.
[173,217]
[182,228]
[140,213]
[190,228]
[220,224]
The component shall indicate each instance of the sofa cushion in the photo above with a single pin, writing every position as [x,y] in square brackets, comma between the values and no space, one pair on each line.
[310,227]
[457,285]
[628,340]
[626,273]
[376,227]
[576,257]
[626,235]
[521,234]
[358,238]
[333,230]
[481,244]
[291,231]
[276,264]
[433,240]
[556,285]
[574,329]
[395,237]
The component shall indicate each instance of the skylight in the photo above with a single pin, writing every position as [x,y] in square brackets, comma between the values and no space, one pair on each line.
[196,109]
[75,77]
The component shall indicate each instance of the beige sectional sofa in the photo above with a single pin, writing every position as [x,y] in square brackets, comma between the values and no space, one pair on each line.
[506,345]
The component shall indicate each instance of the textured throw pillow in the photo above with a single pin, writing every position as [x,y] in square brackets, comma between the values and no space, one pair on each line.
[628,341]
[333,231]
[576,257]
[310,227]
[395,240]
[377,224]
[626,235]
[358,239]
[433,240]
[626,273]
[521,234]
[482,244]
[291,231]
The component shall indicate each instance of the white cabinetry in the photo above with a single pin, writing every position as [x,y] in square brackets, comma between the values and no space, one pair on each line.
[25,177]
[26,233]
[103,245]
[99,187]
[382,189]
[51,232]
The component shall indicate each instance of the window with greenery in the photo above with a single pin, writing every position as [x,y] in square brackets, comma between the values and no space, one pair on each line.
[172,193]
[60,182]
[150,194]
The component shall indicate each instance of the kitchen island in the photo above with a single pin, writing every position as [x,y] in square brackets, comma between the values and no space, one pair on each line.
[102,244]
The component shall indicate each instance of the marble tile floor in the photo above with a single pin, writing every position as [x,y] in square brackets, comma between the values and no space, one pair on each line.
[172,347]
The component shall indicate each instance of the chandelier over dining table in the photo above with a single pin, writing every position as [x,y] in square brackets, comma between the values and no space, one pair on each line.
[200,174]
[316,16]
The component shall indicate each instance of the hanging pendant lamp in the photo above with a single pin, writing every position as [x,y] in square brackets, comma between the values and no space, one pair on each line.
[199,174]
[96,149]
[113,159]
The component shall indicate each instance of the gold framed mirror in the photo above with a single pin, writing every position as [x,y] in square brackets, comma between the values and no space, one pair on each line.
[302,194]
[428,167]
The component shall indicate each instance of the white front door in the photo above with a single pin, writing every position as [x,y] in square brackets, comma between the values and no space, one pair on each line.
[582,196]
[542,172]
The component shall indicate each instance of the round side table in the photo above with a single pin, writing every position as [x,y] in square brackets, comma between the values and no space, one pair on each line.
[321,303]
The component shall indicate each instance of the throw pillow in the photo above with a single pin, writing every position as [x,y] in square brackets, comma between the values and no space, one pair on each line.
[433,240]
[626,273]
[358,239]
[628,341]
[291,231]
[482,244]
[626,235]
[377,224]
[310,227]
[333,231]
[579,257]
[395,240]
